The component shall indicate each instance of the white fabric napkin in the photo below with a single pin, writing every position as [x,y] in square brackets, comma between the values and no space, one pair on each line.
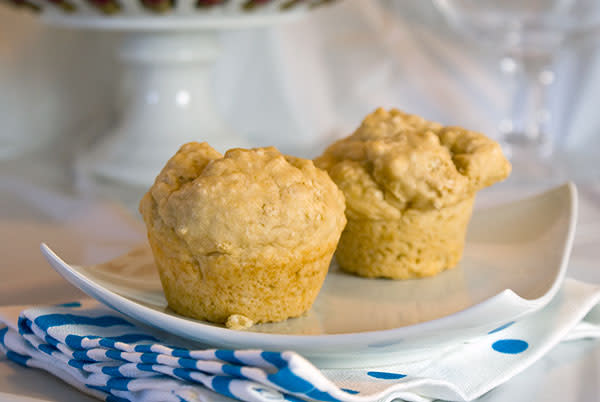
[103,354]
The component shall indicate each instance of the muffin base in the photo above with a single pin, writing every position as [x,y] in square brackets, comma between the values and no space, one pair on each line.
[217,287]
[422,243]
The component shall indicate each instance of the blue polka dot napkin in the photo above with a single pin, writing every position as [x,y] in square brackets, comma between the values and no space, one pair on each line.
[105,355]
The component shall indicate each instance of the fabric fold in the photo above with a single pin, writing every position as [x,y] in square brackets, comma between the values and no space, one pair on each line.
[109,357]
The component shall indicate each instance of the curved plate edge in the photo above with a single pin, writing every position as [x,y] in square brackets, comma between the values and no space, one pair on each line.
[512,306]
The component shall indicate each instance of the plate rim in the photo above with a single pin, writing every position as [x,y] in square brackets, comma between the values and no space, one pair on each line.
[213,333]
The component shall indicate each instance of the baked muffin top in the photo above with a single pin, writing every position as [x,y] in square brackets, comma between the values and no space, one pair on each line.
[248,202]
[396,161]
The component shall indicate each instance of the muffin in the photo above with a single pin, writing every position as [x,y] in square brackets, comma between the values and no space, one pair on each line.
[242,238]
[409,186]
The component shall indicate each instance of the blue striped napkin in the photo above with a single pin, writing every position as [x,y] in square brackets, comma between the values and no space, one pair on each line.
[107,356]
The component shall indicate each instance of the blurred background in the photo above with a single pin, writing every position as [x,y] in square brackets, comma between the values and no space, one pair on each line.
[296,85]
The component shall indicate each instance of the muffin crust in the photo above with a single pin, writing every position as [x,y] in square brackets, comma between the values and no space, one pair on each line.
[409,186]
[249,234]
[396,161]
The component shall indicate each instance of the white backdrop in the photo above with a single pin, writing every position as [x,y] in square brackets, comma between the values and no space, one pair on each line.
[294,86]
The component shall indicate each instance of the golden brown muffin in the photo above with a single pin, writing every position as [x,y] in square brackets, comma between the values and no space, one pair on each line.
[242,238]
[409,186]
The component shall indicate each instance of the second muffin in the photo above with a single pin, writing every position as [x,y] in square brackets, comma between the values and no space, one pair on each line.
[242,238]
[409,185]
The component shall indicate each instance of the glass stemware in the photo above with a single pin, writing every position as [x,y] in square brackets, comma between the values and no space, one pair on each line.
[528,35]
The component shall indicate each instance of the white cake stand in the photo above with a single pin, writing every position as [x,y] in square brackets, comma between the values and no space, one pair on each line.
[164,97]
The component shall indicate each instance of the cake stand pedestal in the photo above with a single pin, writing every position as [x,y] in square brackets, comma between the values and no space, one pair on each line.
[164,100]
[165,97]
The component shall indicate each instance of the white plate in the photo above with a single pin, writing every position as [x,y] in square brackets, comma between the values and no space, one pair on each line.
[514,262]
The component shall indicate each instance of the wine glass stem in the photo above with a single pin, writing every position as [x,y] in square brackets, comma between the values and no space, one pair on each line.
[526,127]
